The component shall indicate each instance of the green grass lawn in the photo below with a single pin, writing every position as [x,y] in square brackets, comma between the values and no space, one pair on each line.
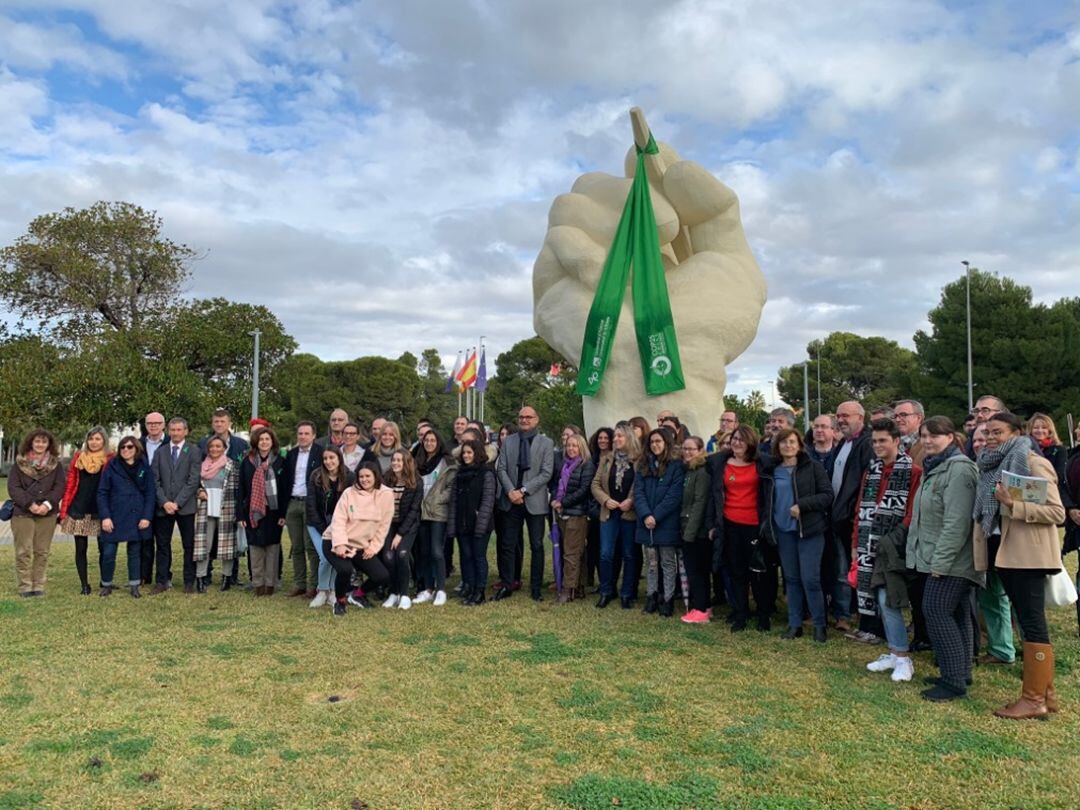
[228,701]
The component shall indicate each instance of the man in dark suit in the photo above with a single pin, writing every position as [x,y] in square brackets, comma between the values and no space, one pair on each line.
[221,424]
[152,439]
[850,460]
[524,468]
[176,468]
[300,462]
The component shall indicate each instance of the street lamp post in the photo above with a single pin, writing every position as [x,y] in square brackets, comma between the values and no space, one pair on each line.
[806,393]
[255,376]
[971,386]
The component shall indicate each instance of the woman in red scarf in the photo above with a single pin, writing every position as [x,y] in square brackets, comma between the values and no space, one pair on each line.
[1041,429]
[261,511]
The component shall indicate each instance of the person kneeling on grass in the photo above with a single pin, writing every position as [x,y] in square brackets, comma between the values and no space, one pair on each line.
[885,501]
[396,554]
[361,520]
[469,518]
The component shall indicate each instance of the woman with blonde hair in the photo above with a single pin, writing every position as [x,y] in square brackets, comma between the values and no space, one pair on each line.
[570,503]
[386,444]
[78,509]
[1043,432]
[613,490]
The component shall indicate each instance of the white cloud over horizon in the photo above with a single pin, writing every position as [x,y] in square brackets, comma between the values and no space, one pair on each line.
[379,174]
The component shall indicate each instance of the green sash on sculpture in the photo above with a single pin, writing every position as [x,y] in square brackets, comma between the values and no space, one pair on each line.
[636,244]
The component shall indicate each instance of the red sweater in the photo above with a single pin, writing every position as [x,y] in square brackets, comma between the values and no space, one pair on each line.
[740,494]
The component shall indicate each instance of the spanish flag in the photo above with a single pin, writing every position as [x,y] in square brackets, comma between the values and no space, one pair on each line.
[467,376]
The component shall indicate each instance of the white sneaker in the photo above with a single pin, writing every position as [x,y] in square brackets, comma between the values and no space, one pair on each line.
[883,664]
[319,600]
[440,599]
[423,596]
[392,602]
[405,603]
[904,669]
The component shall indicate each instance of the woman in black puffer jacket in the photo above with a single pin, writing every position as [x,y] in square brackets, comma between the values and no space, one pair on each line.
[793,505]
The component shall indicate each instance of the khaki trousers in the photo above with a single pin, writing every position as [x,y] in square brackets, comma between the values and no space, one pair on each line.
[575,534]
[32,536]
[264,565]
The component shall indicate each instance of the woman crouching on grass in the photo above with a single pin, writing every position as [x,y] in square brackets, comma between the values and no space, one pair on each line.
[396,553]
[469,518]
[358,530]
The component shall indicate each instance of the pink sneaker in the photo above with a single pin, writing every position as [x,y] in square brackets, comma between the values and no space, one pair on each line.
[696,617]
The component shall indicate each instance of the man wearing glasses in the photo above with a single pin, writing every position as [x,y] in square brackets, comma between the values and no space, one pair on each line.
[151,441]
[524,468]
[909,416]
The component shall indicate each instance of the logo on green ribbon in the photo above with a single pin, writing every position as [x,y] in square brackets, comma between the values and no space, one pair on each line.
[636,246]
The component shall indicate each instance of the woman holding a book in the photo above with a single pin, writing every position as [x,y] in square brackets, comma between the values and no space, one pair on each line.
[1016,535]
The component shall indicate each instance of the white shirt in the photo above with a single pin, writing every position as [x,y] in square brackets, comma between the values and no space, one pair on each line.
[299,486]
[152,446]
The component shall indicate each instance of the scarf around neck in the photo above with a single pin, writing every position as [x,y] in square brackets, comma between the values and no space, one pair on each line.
[259,501]
[91,462]
[878,517]
[210,468]
[930,462]
[1012,456]
[568,467]
[525,438]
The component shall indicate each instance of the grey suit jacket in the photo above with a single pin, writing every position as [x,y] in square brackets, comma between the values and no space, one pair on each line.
[541,466]
[179,483]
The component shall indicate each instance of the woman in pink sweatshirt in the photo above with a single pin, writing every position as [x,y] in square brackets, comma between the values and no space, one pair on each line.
[361,520]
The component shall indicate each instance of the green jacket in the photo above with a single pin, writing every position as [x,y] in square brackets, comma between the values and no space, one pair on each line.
[694,502]
[436,504]
[939,539]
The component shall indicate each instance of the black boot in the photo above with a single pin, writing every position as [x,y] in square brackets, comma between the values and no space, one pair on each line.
[667,608]
[651,602]
[85,589]
[226,582]
[604,600]
[466,593]
[626,602]
[200,584]
[477,598]
[135,592]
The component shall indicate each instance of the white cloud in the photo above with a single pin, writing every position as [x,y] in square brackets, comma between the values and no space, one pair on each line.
[379,174]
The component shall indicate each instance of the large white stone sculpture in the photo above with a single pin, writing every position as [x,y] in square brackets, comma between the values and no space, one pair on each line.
[717,291]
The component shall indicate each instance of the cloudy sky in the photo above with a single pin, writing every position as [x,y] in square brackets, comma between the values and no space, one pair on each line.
[379,173]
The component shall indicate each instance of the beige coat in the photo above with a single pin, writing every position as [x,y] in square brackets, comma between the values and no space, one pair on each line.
[600,488]
[361,520]
[1029,531]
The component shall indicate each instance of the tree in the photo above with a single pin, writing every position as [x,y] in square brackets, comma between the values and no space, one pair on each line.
[1022,352]
[525,376]
[872,370]
[108,262]
[26,380]
[750,410]
[437,406]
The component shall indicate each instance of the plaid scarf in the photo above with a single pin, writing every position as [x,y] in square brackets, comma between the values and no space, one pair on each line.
[1012,456]
[259,501]
[878,517]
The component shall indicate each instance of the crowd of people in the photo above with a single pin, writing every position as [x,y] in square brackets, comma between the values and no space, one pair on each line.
[866,520]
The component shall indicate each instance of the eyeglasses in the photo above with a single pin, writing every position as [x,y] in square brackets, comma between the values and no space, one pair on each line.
[524,418]
[982,410]
[904,414]
[127,447]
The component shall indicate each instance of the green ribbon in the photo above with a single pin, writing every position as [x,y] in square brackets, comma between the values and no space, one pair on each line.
[637,244]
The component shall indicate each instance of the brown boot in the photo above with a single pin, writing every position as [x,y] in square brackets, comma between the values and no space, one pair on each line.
[259,590]
[1038,674]
[268,590]
[297,592]
[1051,696]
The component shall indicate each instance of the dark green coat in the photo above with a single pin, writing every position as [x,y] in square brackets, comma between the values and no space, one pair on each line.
[695,502]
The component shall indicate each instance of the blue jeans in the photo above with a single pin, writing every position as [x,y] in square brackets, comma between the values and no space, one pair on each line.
[841,590]
[108,549]
[326,571]
[801,561]
[895,626]
[618,533]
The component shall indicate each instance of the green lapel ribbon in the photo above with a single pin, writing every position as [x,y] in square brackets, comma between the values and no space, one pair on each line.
[635,243]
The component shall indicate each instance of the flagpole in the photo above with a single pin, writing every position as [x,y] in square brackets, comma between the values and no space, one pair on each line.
[480,354]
